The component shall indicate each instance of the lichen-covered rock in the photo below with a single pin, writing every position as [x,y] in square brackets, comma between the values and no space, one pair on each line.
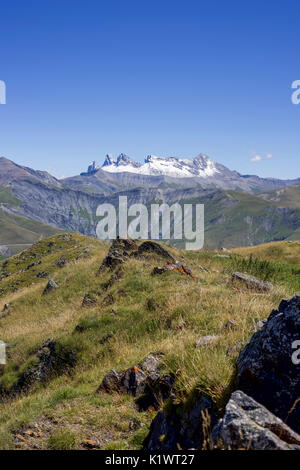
[265,367]
[174,267]
[250,426]
[144,382]
[252,282]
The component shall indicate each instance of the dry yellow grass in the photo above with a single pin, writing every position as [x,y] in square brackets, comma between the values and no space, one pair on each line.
[164,313]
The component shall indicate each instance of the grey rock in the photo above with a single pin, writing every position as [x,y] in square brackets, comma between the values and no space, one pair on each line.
[61,262]
[265,369]
[252,282]
[51,286]
[250,426]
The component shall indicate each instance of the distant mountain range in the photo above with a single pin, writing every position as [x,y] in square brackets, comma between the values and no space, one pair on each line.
[188,172]
[239,209]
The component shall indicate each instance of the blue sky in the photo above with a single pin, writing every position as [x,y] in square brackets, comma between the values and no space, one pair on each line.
[171,78]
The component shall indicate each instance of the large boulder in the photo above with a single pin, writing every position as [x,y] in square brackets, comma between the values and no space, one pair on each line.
[250,426]
[265,367]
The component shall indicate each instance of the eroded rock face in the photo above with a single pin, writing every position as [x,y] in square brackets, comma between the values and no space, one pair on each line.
[265,367]
[250,426]
[252,282]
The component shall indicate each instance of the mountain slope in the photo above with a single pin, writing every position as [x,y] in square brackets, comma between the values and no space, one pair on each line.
[137,315]
[233,217]
[17,232]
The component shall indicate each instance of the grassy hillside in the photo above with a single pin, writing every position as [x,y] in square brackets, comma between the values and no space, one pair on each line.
[285,197]
[241,219]
[137,315]
[17,232]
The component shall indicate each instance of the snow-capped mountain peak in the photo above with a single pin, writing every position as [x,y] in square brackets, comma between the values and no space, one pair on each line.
[200,166]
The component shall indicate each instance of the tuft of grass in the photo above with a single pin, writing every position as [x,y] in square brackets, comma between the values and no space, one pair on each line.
[62,440]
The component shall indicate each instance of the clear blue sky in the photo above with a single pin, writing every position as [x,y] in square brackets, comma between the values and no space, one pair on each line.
[172,78]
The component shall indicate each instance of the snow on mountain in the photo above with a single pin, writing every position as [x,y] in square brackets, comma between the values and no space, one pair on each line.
[200,166]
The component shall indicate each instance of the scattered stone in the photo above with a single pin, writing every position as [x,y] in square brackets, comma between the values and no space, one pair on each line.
[51,286]
[221,256]
[205,340]
[41,274]
[252,282]
[89,299]
[265,367]
[61,262]
[250,426]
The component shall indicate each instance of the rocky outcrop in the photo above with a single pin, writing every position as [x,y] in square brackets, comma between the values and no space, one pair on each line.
[252,282]
[153,247]
[50,359]
[181,426]
[265,367]
[118,253]
[250,426]
[144,382]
